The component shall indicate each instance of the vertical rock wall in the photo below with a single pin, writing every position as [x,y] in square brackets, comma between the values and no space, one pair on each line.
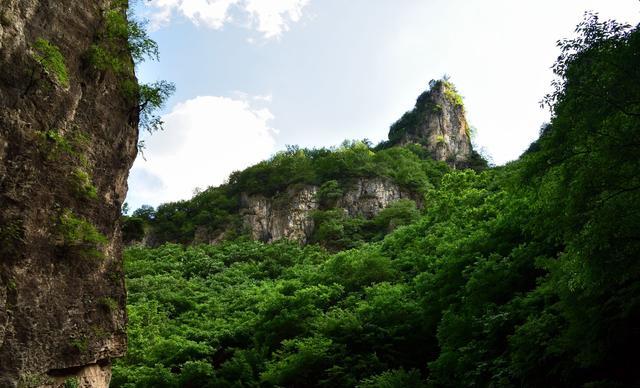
[66,147]
[290,215]
[438,123]
[285,217]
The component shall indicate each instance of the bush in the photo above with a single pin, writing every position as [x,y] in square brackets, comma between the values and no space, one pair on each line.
[400,212]
[122,39]
[50,58]
[328,194]
[132,229]
[79,236]
[398,378]
[82,184]
[335,230]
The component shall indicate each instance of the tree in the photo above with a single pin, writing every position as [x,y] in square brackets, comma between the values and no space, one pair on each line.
[145,212]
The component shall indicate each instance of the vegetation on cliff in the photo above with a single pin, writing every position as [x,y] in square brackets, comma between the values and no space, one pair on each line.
[216,208]
[522,275]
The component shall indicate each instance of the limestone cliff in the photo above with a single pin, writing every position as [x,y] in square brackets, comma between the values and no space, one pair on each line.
[68,136]
[438,123]
[285,217]
[290,215]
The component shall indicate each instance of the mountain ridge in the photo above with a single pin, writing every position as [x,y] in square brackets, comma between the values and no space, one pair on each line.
[278,198]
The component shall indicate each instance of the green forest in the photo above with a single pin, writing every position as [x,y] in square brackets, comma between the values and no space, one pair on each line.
[523,275]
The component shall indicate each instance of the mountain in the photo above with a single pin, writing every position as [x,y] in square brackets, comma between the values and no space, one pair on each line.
[297,193]
[523,275]
[438,123]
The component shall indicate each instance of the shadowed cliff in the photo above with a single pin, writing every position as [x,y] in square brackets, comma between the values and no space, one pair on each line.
[68,135]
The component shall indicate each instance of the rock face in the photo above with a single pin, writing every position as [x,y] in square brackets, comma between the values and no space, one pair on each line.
[68,137]
[368,196]
[289,215]
[438,123]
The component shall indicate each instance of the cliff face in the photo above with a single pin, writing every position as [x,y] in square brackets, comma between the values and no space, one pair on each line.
[438,123]
[290,215]
[68,137]
[287,216]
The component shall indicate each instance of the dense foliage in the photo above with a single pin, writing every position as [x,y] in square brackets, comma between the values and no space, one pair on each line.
[215,210]
[122,39]
[524,275]
[409,167]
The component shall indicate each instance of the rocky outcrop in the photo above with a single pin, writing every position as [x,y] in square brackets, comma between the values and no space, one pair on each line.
[290,214]
[287,216]
[68,136]
[438,123]
[366,197]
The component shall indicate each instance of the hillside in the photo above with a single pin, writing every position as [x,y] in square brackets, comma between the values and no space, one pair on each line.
[523,275]
[328,196]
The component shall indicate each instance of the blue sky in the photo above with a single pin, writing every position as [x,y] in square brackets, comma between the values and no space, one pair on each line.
[255,75]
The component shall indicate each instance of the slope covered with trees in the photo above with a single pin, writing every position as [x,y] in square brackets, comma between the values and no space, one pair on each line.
[332,170]
[522,275]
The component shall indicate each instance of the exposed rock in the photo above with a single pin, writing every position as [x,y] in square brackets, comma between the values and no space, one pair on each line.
[286,216]
[438,123]
[289,215]
[66,146]
[366,197]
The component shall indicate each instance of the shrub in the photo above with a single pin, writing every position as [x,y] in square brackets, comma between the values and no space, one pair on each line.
[80,344]
[452,95]
[108,303]
[329,193]
[152,97]
[58,142]
[400,212]
[394,379]
[82,184]
[11,236]
[336,230]
[50,58]
[79,236]
[71,382]
[132,229]
[123,39]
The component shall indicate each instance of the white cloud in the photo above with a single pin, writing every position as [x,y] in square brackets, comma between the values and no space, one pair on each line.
[269,17]
[205,139]
[212,13]
[263,98]
[272,17]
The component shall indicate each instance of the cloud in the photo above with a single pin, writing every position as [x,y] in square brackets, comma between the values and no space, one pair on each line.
[269,17]
[272,17]
[205,139]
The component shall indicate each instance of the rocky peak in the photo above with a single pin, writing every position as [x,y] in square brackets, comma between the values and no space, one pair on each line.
[438,123]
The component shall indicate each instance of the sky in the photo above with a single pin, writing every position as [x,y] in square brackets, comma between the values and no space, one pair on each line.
[253,76]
